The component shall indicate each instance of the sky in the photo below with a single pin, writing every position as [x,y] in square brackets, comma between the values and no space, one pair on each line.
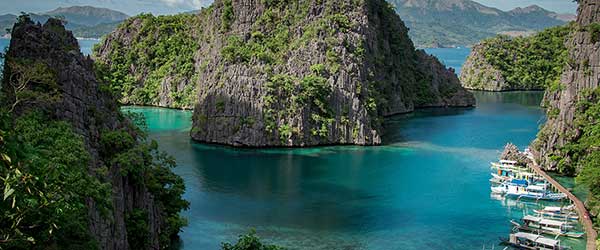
[559,6]
[159,7]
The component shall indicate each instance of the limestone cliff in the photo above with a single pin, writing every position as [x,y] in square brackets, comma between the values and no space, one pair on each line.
[504,63]
[295,73]
[479,74]
[82,100]
[580,78]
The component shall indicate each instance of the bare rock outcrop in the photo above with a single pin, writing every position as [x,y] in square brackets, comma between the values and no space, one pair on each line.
[511,152]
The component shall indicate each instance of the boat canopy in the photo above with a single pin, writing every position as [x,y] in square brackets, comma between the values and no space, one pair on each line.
[559,209]
[537,239]
[537,187]
[553,209]
[519,182]
[508,162]
[543,221]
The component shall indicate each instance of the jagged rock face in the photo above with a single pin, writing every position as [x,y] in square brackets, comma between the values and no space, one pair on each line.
[511,152]
[582,73]
[89,111]
[326,73]
[478,74]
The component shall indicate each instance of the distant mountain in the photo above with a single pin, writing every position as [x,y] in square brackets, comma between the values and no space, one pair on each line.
[88,16]
[84,21]
[463,22]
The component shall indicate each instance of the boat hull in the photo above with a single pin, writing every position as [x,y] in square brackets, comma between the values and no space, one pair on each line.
[545,231]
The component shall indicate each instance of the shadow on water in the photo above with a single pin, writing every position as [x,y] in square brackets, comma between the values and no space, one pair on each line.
[430,178]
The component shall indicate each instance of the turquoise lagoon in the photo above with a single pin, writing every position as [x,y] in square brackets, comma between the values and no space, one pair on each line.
[425,188]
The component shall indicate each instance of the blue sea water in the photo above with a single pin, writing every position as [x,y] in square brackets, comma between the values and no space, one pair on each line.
[85,45]
[451,57]
[425,188]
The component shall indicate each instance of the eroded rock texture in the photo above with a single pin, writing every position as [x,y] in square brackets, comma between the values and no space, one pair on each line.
[581,74]
[478,74]
[303,73]
[90,111]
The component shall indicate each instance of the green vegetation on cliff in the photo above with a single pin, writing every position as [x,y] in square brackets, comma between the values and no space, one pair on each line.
[163,52]
[63,175]
[569,141]
[583,150]
[524,63]
[46,183]
[281,73]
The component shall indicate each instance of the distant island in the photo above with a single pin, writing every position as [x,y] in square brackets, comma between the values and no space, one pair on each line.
[453,23]
[84,21]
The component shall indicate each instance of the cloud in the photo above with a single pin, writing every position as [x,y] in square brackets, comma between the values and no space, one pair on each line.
[196,4]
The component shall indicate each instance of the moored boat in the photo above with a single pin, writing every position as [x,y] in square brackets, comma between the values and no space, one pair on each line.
[557,215]
[531,241]
[506,186]
[521,190]
[507,165]
[542,225]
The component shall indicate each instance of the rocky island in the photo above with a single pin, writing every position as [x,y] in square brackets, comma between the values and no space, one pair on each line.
[280,73]
[77,173]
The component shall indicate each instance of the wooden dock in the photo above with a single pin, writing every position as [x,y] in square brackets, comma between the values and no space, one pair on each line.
[584,215]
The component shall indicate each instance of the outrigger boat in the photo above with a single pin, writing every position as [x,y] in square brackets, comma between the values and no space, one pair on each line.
[508,175]
[522,240]
[569,208]
[561,213]
[542,225]
[507,165]
[521,189]
[504,187]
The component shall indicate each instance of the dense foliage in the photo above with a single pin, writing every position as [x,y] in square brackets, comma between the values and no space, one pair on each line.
[534,62]
[163,52]
[144,164]
[46,184]
[49,178]
[249,242]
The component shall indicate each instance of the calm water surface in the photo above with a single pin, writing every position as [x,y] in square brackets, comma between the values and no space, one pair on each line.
[426,188]
[454,57]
